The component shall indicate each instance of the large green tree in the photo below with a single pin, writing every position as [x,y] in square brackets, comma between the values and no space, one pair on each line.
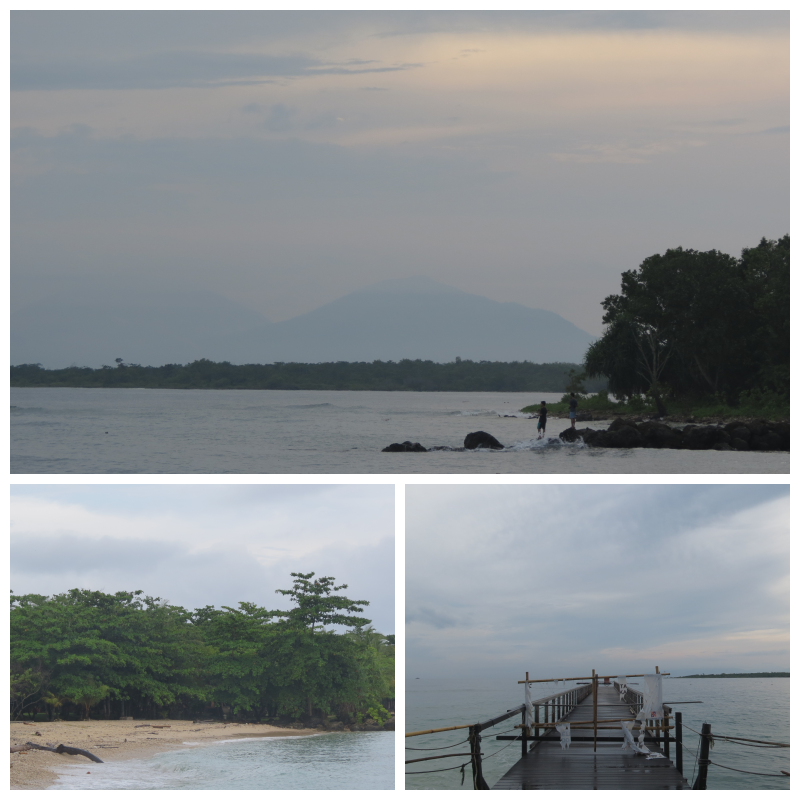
[692,323]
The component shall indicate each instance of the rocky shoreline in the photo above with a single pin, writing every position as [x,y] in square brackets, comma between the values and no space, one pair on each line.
[631,431]
[740,435]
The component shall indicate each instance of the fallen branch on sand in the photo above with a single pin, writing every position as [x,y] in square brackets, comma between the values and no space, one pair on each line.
[62,748]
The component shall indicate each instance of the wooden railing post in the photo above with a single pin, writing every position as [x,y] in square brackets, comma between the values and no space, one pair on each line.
[594,707]
[536,719]
[524,736]
[702,762]
[679,741]
[666,732]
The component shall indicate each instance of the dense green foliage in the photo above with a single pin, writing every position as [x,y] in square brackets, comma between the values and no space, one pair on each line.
[405,375]
[699,326]
[130,654]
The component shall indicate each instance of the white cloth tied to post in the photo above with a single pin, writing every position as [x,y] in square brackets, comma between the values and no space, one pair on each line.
[653,706]
[566,738]
[637,747]
[623,687]
[529,715]
[630,743]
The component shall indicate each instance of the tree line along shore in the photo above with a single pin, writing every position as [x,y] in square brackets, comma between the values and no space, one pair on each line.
[740,675]
[406,375]
[121,655]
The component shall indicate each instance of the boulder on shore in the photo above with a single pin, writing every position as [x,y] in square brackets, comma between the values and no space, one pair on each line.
[758,435]
[481,439]
[405,447]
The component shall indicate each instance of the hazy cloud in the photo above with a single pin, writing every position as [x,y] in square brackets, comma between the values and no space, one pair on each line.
[205,545]
[550,577]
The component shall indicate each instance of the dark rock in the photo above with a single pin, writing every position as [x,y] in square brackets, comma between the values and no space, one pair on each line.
[481,439]
[389,726]
[623,436]
[782,429]
[739,444]
[768,441]
[657,434]
[591,437]
[371,726]
[569,435]
[334,725]
[405,447]
[738,431]
[721,446]
[722,436]
[583,416]
[757,427]
[620,423]
[699,437]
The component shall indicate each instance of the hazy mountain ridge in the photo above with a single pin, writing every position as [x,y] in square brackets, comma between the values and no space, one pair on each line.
[406,318]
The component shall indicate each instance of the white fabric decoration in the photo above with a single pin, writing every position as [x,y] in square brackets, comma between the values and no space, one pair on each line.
[623,687]
[566,738]
[529,715]
[629,743]
[653,704]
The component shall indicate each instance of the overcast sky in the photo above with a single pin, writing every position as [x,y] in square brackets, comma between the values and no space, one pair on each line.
[560,580]
[205,545]
[284,159]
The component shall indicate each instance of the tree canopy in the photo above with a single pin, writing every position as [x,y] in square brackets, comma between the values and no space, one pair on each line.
[83,648]
[698,324]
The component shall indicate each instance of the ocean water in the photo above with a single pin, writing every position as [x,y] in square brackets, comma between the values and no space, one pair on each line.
[282,432]
[754,708]
[329,761]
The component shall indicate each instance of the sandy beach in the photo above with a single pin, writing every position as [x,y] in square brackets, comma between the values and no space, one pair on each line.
[115,740]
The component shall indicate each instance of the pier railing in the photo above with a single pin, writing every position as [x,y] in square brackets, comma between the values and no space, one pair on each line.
[547,712]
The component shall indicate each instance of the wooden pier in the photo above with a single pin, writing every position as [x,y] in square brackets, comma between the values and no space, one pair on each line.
[585,765]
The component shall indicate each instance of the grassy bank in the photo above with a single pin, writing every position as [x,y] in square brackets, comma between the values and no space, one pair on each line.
[761,405]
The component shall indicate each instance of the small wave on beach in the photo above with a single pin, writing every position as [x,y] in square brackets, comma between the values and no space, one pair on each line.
[340,761]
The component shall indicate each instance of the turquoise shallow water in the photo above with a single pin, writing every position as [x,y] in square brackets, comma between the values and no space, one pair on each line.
[755,708]
[330,761]
[267,432]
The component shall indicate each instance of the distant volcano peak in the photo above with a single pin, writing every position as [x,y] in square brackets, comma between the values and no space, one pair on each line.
[416,284]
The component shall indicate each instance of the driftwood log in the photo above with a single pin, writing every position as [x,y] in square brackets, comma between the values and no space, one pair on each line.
[70,751]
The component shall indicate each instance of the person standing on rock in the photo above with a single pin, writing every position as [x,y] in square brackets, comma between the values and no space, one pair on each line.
[573,408]
[542,419]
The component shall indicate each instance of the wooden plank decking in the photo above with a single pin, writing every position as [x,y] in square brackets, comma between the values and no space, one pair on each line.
[547,766]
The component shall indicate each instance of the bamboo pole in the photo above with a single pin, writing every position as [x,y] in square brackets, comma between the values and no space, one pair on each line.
[438,730]
[586,678]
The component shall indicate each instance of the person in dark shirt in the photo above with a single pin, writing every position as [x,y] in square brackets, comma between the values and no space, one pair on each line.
[573,408]
[542,419]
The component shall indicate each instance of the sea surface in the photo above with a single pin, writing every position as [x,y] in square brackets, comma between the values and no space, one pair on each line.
[329,761]
[291,432]
[753,708]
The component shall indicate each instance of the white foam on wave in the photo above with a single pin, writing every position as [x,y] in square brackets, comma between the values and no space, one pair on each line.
[548,442]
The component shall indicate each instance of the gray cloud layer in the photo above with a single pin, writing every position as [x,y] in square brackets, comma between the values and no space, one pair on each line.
[553,578]
[205,545]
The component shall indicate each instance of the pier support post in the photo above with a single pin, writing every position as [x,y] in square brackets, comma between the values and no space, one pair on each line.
[524,737]
[702,762]
[478,781]
[594,707]
[679,741]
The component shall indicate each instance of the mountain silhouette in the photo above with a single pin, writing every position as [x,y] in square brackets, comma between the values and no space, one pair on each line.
[411,318]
